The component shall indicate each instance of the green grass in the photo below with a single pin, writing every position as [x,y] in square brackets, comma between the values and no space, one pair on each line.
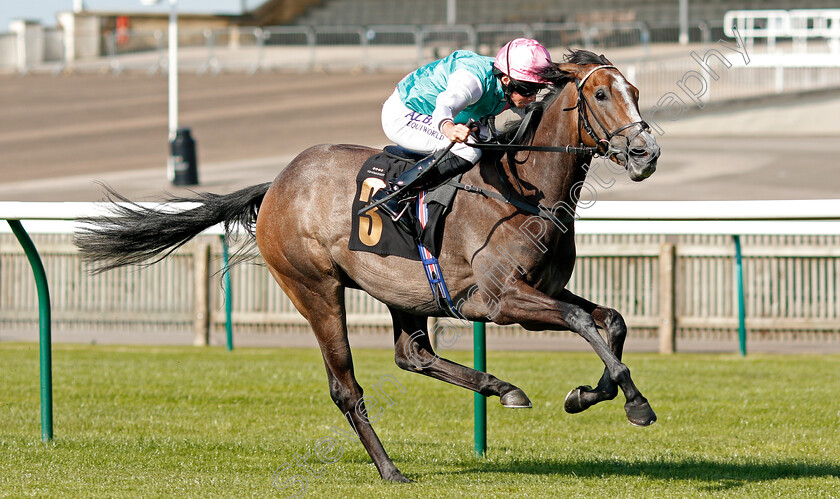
[192,422]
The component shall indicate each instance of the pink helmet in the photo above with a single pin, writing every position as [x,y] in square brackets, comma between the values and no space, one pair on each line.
[523,59]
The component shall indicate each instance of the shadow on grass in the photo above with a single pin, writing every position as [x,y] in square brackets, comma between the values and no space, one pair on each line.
[724,476]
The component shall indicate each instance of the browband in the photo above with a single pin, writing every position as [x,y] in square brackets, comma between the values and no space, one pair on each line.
[583,80]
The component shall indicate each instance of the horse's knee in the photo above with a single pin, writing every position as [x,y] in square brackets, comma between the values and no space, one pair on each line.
[614,324]
[344,397]
[620,375]
[579,320]
[410,355]
[414,360]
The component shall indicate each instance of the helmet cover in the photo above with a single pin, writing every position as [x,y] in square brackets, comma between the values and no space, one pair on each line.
[523,59]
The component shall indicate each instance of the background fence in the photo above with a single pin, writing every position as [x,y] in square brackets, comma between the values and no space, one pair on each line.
[367,47]
[792,289]
[634,47]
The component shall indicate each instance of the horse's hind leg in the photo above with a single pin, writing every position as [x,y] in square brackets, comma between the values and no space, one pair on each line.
[413,352]
[584,397]
[322,303]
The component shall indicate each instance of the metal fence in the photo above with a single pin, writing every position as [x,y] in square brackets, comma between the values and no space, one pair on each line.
[634,47]
[792,289]
[329,47]
[656,78]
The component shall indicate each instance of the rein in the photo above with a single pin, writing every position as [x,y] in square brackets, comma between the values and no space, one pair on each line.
[579,150]
[603,149]
[583,120]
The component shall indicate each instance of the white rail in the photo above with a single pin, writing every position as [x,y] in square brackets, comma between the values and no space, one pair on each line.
[800,25]
[770,217]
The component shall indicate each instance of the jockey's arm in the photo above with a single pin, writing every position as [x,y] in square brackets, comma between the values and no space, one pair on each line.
[463,88]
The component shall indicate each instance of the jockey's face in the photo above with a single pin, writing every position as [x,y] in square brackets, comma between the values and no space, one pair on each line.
[516,98]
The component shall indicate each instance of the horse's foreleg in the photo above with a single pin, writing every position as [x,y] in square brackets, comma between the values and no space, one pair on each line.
[583,397]
[413,352]
[523,304]
[322,303]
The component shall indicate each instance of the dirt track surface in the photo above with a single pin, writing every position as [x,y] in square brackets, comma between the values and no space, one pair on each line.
[91,124]
[59,135]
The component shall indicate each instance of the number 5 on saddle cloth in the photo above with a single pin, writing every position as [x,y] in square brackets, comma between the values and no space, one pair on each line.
[375,232]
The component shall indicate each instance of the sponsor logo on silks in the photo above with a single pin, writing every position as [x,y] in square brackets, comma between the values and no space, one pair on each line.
[418,117]
[421,122]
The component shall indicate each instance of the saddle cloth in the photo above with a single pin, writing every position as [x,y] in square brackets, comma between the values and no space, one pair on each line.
[375,232]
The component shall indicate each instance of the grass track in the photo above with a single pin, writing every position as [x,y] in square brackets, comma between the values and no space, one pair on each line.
[153,421]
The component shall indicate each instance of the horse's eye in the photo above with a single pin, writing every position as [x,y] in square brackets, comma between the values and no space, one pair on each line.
[601,95]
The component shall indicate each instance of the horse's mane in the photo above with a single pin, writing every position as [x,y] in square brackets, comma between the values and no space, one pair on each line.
[558,79]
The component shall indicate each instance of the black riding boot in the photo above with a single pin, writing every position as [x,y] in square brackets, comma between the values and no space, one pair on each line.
[417,178]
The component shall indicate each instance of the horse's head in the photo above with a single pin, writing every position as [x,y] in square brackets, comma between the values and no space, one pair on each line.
[608,112]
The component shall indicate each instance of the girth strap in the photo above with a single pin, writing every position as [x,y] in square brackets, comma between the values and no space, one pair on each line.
[534,209]
[440,293]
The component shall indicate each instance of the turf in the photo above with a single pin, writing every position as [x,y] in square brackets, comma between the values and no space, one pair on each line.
[203,422]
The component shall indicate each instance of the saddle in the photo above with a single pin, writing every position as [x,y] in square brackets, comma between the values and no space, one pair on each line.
[375,232]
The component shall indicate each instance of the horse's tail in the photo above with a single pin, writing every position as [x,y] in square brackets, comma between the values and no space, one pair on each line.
[134,234]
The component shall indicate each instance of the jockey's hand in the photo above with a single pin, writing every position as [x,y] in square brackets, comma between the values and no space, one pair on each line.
[455,133]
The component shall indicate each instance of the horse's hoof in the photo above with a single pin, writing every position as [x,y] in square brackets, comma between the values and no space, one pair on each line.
[573,403]
[516,399]
[640,415]
[396,477]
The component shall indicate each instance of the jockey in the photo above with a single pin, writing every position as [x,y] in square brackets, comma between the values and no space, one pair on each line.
[429,109]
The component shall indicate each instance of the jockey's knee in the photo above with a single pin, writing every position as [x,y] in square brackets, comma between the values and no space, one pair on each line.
[467,153]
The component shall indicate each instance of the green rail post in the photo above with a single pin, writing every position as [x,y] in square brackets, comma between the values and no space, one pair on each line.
[228,295]
[45,320]
[480,364]
[739,273]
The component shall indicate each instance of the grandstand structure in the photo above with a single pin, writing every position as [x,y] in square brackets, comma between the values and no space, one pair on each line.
[367,12]
[374,34]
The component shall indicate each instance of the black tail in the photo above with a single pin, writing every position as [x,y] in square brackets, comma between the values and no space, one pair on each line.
[134,234]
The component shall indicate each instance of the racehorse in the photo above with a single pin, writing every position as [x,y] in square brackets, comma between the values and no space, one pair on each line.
[302,222]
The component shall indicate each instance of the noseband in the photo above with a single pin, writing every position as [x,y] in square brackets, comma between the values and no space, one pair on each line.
[585,109]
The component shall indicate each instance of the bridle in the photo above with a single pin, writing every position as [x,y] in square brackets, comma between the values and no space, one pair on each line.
[605,146]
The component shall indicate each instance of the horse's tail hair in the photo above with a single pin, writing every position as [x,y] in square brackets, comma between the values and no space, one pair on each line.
[134,234]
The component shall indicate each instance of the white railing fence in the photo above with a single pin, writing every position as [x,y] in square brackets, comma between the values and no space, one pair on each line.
[808,30]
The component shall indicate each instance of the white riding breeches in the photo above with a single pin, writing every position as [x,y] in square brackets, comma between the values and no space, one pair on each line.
[414,131]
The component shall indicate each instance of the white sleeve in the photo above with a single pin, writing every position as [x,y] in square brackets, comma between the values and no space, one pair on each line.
[462,89]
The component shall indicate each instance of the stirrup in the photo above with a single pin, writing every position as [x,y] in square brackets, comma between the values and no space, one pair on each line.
[392,210]
[399,215]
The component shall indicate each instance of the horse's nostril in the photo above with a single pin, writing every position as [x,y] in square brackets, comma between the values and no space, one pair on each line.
[638,151]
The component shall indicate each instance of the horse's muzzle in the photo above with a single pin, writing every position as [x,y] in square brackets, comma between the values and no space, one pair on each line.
[642,156]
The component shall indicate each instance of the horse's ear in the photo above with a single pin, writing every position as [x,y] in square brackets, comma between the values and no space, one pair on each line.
[606,61]
[568,69]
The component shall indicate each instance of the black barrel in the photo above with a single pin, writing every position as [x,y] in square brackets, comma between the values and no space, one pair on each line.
[183,162]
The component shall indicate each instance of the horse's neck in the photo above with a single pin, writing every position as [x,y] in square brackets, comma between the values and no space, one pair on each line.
[554,174]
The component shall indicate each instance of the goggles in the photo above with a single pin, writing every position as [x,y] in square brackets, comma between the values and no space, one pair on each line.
[524,88]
